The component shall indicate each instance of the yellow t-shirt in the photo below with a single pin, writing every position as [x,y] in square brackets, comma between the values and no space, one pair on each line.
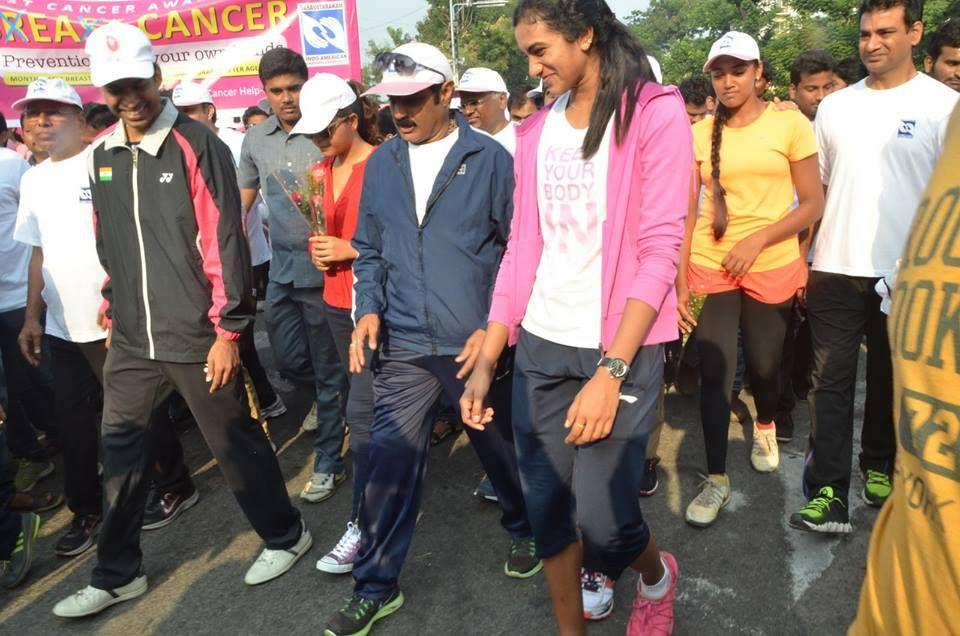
[755,172]
[912,585]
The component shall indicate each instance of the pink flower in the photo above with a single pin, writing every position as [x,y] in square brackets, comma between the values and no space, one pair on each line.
[296,197]
[316,200]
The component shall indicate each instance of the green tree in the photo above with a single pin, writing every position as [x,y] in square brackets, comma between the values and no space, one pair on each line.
[397,36]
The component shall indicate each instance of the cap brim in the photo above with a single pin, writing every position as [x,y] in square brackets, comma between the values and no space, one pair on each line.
[477,90]
[21,104]
[304,127]
[113,72]
[743,58]
[399,89]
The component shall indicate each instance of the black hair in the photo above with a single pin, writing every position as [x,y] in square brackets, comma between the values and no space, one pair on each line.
[767,72]
[366,111]
[696,90]
[281,61]
[912,9]
[720,216]
[947,35]
[3,123]
[385,122]
[520,96]
[810,63]
[624,67]
[851,70]
[250,113]
[98,116]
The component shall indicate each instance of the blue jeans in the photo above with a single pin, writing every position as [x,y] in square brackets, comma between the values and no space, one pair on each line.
[9,521]
[304,351]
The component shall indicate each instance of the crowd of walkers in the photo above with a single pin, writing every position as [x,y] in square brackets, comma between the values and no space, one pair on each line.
[541,264]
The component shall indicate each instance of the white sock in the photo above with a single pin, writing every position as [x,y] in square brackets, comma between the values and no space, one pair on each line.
[658,590]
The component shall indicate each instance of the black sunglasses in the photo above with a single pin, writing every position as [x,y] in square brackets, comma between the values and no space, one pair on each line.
[401,64]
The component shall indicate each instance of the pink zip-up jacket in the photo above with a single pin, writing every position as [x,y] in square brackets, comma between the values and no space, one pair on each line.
[648,189]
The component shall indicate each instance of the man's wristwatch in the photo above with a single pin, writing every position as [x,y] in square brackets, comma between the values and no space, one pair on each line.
[619,369]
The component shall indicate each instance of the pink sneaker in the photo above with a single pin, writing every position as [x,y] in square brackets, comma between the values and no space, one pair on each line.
[655,618]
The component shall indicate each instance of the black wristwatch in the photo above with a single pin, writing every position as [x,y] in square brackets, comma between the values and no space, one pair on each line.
[618,368]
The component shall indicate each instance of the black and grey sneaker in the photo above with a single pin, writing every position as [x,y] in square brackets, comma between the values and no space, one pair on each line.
[81,536]
[825,513]
[651,479]
[522,561]
[357,617]
[163,508]
[784,422]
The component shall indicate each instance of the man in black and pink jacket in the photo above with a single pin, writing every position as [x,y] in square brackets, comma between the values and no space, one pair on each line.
[170,238]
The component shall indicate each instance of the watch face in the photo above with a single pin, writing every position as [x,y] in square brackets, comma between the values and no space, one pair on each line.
[619,369]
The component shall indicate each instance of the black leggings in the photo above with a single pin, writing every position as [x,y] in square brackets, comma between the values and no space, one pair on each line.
[763,327]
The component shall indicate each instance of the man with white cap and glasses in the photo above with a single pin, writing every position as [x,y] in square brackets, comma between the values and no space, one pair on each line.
[483,101]
[169,233]
[434,219]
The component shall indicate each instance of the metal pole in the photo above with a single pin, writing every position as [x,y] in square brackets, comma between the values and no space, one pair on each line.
[453,41]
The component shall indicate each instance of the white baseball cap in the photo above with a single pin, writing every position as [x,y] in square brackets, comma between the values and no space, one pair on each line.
[534,92]
[52,89]
[119,51]
[431,68]
[734,44]
[655,67]
[191,94]
[321,97]
[481,80]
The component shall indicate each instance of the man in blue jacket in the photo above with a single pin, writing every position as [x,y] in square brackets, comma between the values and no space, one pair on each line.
[434,219]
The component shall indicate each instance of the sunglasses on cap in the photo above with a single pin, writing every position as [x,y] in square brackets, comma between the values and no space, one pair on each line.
[402,65]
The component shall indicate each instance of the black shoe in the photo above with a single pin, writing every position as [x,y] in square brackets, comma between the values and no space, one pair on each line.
[359,614]
[740,410]
[163,509]
[784,421]
[81,536]
[650,478]
[522,561]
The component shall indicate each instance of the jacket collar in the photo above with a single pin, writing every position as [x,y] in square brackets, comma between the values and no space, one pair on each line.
[155,135]
[467,140]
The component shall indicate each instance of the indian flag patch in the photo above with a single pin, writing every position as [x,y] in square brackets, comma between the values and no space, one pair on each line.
[106,173]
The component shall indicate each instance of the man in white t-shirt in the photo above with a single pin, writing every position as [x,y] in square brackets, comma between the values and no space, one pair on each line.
[483,101]
[879,142]
[196,102]
[65,274]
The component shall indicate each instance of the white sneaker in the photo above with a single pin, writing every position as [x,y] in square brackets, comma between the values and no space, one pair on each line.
[321,486]
[597,591]
[340,559]
[310,421]
[276,409]
[91,600]
[714,495]
[272,563]
[765,454]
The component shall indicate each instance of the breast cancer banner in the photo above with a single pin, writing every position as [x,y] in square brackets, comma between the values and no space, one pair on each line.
[215,42]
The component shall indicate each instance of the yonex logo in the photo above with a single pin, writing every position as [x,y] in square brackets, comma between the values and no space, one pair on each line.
[85,195]
[166,177]
[907,128]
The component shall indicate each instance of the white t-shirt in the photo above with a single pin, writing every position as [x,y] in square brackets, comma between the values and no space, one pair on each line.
[60,221]
[565,305]
[425,163]
[253,224]
[14,256]
[878,149]
[508,137]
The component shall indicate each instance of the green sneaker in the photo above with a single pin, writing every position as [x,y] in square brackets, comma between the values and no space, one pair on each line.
[825,513]
[22,557]
[876,487]
[29,473]
[522,561]
[357,617]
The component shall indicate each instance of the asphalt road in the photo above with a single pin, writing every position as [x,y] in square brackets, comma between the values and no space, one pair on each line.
[748,574]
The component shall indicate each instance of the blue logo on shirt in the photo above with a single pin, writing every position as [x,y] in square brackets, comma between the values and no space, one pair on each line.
[85,195]
[907,128]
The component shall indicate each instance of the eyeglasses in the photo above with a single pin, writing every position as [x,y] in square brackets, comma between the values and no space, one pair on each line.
[401,64]
[328,132]
[472,103]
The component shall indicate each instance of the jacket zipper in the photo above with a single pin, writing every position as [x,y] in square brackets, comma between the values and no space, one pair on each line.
[143,257]
[423,271]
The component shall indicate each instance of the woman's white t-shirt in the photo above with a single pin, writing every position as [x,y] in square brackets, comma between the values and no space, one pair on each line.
[565,306]
[56,215]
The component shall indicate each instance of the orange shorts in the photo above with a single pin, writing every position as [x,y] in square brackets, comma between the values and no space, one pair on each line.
[772,287]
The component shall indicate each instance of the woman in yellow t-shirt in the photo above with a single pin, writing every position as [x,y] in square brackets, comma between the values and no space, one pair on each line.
[742,252]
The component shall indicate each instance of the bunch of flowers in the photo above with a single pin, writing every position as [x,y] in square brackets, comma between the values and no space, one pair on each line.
[306,193]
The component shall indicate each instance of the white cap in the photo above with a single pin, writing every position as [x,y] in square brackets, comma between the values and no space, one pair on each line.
[655,67]
[534,92]
[119,51]
[481,80]
[455,103]
[734,44]
[190,94]
[52,89]
[321,97]
[394,84]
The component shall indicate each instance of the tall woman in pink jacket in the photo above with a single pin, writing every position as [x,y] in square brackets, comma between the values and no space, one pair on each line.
[587,280]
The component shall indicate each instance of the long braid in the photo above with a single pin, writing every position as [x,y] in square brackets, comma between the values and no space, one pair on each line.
[719,194]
